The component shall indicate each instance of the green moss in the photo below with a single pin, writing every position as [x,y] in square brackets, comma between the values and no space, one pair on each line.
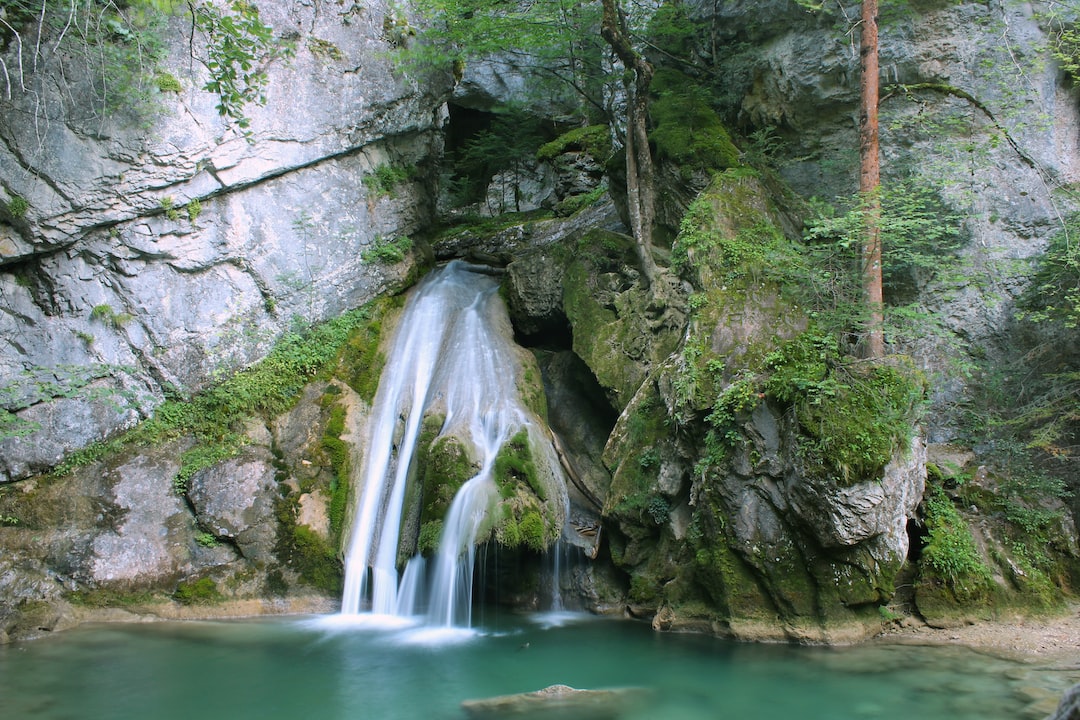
[206,455]
[531,388]
[203,591]
[316,561]
[853,416]
[532,531]
[444,469]
[644,590]
[593,139]
[167,82]
[514,467]
[361,361]
[111,597]
[614,338]
[337,450]
[687,129]
[430,534]
[324,49]
[730,233]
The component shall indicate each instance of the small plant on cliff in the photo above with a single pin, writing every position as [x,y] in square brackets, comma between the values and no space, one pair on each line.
[385,179]
[104,313]
[17,207]
[194,209]
[387,251]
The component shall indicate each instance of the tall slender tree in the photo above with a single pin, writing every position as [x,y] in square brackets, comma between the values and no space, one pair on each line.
[870,179]
[640,176]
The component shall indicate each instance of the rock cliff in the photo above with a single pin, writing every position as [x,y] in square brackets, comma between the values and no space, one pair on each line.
[153,256]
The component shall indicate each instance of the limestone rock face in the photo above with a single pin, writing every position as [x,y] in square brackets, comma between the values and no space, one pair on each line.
[157,258]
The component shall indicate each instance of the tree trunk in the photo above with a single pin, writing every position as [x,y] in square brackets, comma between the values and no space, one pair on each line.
[640,177]
[870,180]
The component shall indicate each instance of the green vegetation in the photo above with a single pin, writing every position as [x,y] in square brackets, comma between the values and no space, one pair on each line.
[267,389]
[104,313]
[237,45]
[443,467]
[167,82]
[202,457]
[385,179]
[950,551]
[514,466]
[387,251]
[325,49]
[362,361]
[203,591]
[101,597]
[520,519]
[688,131]
[593,139]
[338,452]
[430,534]
[17,207]
[168,206]
[194,209]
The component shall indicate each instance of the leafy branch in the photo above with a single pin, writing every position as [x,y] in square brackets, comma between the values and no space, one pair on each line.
[237,43]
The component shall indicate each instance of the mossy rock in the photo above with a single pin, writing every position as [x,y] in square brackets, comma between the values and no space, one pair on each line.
[361,360]
[446,467]
[618,329]
[687,129]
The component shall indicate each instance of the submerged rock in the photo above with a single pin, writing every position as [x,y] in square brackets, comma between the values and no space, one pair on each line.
[555,701]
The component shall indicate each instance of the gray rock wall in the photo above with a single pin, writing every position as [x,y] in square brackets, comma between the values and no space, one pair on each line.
[108,271]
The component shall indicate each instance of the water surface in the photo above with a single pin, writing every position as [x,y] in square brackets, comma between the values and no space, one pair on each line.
[326,669]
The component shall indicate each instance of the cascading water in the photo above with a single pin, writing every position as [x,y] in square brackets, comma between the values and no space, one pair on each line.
[453,352]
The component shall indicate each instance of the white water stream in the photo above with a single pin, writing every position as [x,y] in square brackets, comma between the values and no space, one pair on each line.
[452,353]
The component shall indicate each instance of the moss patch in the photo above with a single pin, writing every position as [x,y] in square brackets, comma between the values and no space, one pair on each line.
[521,515]
[446,467]
[688,130]
[361,359]
[203,591]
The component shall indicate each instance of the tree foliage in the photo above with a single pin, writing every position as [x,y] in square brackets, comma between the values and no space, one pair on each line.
[116,47]
[237,42]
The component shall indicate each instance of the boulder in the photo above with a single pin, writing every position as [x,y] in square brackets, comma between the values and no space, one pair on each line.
[555,701]
[234,500]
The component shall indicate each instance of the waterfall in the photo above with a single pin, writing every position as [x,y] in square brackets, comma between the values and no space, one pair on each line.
[452,354]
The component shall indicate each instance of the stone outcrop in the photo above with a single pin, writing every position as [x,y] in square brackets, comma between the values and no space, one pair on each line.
[153,259]
[120,531]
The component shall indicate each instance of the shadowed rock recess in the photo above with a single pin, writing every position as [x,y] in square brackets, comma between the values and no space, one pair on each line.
[195,313]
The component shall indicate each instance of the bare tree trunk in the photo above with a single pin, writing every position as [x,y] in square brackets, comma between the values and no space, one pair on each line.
[640,176]
[870,179]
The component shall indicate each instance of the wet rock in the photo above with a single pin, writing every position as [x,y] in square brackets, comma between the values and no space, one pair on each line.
[555,701]
[1069,707]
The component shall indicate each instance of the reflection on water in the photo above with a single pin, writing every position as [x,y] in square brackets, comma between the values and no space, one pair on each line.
[324,668]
